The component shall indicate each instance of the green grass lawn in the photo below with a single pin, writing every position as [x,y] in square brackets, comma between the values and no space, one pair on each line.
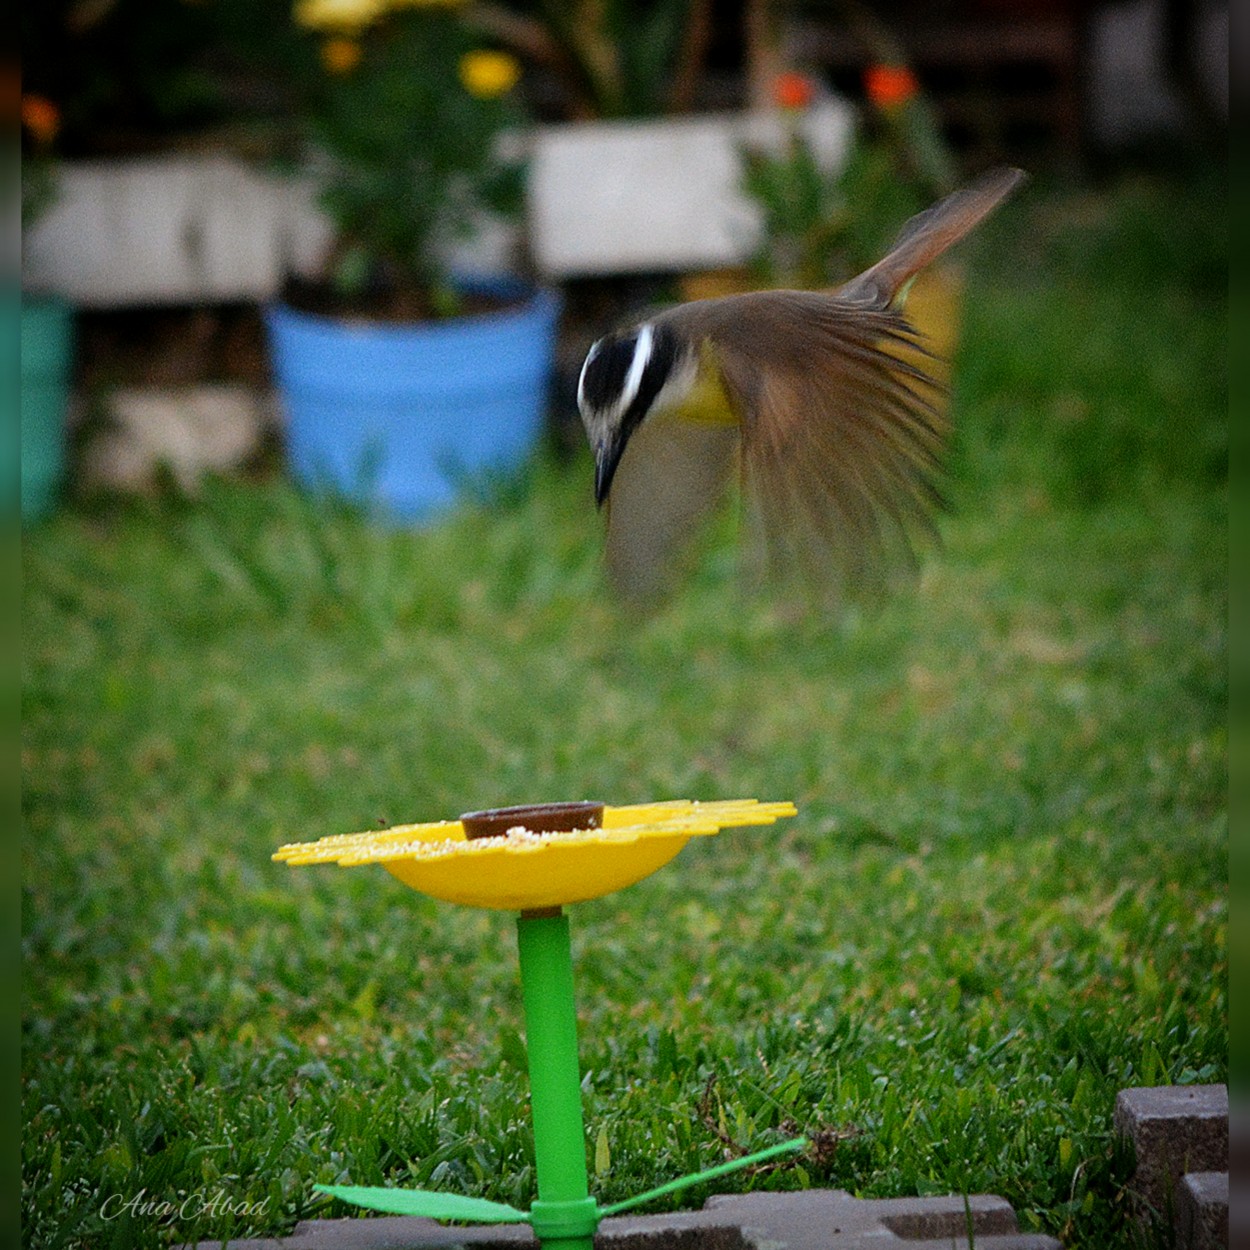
[1003,899]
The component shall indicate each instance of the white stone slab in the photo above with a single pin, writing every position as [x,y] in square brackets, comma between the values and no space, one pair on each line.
[158,230]
[191,229]
[605,197]
[633,196]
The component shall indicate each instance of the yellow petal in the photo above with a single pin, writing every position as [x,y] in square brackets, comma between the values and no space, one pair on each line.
[337,14]
[489,74]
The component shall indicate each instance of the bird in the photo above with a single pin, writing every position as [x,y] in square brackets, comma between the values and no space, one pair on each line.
[823,404]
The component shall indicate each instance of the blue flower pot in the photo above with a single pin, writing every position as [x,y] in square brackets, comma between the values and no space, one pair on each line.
[402,415]
[47,355]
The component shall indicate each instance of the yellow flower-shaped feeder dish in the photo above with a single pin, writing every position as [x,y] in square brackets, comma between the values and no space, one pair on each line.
[522,870]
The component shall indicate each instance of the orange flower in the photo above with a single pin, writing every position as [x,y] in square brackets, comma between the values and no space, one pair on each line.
[340,55]
[888,86]
[41,117]
[793,90]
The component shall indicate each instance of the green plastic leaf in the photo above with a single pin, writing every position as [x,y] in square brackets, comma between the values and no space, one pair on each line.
[793,1146]
[427,1202]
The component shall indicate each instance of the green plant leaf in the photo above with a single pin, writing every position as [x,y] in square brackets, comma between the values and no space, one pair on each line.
[603,1152]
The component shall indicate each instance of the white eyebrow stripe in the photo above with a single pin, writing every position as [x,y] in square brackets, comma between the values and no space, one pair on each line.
[581,377]
[633,379]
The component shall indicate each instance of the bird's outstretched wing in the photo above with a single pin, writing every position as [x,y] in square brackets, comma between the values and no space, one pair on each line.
[673,474]
[928,234]
[841,434]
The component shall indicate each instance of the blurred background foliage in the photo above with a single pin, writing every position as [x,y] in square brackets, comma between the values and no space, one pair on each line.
[130,76]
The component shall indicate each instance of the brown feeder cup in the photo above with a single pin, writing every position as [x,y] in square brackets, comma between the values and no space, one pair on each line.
[536,817]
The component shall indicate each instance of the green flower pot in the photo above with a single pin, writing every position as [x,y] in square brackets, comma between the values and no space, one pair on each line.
[47,353]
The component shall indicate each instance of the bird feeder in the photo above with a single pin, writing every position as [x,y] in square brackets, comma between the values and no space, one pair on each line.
[535,861]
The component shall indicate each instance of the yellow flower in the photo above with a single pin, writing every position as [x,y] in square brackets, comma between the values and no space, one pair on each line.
[489,74]
[338,14]
[340,55]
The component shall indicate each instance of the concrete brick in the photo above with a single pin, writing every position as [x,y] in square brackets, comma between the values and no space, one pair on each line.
[1202,1211]
[1239,1174]
[833,1217]
[190,430]
[1174,1129]
[817,1219]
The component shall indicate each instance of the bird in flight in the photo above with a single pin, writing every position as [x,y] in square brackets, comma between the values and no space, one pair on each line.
[823,404]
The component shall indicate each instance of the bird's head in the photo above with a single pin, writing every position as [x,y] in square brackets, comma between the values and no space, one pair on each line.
[627,375]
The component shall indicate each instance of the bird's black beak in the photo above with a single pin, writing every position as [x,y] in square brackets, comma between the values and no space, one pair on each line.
[607,457]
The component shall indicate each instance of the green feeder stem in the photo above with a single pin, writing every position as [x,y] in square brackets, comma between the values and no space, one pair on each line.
[565,1216]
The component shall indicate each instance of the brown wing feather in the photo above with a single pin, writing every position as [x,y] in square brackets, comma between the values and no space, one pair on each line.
[841,436]
[672,474]
[927,235]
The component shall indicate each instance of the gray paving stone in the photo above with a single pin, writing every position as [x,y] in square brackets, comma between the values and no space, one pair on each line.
[1174,1129]
[816,1219]
[1202,1211]
[1239,1173]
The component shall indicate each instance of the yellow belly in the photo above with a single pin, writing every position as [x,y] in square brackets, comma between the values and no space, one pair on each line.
[706,402]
